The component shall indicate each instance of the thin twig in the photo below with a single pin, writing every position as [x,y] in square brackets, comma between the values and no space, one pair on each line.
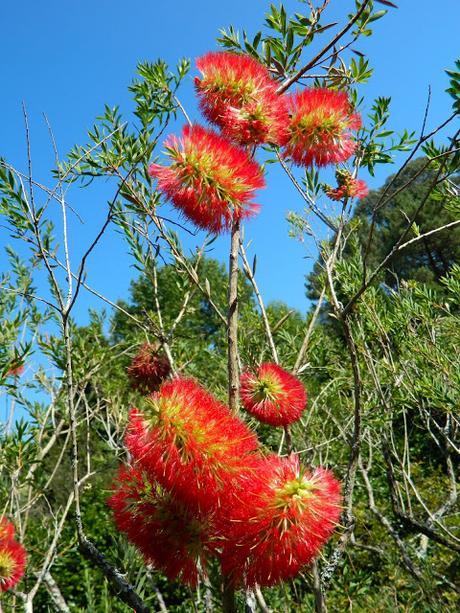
[263,312]
[291,80]
[311,203]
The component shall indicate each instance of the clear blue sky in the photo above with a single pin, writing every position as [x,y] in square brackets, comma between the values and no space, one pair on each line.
[69,58]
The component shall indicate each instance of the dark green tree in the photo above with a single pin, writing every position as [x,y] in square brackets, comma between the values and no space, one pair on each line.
[381,219]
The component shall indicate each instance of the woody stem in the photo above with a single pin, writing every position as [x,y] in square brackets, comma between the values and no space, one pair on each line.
[233,374]
[228,594]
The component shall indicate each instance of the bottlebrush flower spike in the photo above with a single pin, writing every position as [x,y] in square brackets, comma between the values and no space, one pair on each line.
[210,180]
[320,128]
[237,93]
[192,443]
[6,529]
[168,533]
[347,187]
[17,371]
[273,395]
[280,525]
[148,369]
[12,563]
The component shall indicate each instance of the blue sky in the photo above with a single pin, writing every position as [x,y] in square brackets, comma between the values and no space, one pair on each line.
[68,59]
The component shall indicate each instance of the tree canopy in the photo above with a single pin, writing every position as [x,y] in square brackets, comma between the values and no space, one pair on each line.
[381,218]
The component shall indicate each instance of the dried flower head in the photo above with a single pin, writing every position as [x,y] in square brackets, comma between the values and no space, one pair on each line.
[148,369]
[210,180]
[12,563]
[237,93]
[169,534]
[191,442]
[288,514]
[273,395]
[347,187]
[320,128]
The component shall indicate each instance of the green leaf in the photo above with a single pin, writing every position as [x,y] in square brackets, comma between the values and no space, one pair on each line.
[376,16]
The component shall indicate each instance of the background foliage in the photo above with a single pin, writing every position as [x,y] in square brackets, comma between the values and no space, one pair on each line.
[383,333]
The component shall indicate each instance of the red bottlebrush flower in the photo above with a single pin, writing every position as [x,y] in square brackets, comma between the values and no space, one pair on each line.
[273,395]
[16,372]
[12,563]
[210,180]
[192,443]
[347,187]
[281,524]
[148,369]
[6,530]
[237,93]
[320,127]
[168,533]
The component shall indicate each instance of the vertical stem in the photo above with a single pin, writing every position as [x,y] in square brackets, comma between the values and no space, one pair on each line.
[288,439]
[233,374]
[320,605]
[250,604]
[228,597]
[347,518]
[263,312]
[228,592]
[72,421]
[309,332]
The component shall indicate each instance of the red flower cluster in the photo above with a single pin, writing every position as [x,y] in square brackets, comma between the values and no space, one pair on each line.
[148,369]
[200,486]
[347,187]
[191,442]
[12,556]
[210,180]
[165,530]
[281,522]
[237,94]
[273,395]
[320,127]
